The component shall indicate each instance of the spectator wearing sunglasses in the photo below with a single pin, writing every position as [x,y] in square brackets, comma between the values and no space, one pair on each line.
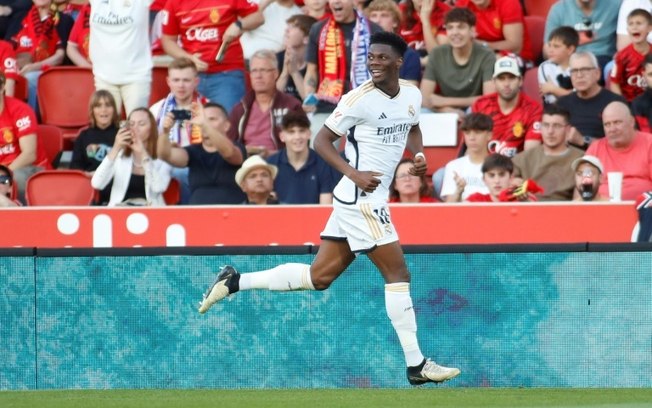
[7,188]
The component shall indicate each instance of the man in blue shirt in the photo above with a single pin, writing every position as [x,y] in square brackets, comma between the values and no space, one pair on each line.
[303,177]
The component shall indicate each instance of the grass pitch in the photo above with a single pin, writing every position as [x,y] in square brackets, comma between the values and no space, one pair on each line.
[408,398]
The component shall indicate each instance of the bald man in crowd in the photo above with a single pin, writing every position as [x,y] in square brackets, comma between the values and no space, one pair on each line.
[624,149]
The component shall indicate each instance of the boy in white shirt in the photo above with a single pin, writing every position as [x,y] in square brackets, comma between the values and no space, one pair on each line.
[463,176]
[554,74]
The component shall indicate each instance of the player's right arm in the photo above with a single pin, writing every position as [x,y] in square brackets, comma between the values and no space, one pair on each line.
[368,181]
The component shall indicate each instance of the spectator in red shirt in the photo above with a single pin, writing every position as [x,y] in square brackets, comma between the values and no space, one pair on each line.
[8,66]
[517,117]
[422,25]
[497,175]
[40,43]
[627,78]
[624,149]
[203,28]
[500,26]
[19,150]
[642,104]
[77,48]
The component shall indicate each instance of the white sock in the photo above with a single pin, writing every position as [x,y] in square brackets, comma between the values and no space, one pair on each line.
[285,277]
[398,304]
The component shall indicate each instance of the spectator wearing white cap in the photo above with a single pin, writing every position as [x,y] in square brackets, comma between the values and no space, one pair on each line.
[256,179]
[516,116]
[587,170]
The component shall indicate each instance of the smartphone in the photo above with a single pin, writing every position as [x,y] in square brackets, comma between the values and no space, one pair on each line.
[181,114]
[124,124]
[311,100]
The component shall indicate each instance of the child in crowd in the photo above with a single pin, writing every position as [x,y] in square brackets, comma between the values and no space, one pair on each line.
[554,73]
[627,74]
[497,173]
[463,176]
[642,104]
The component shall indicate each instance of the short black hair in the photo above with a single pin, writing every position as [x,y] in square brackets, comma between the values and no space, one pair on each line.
[295,119]
[393,40]
[648,59]
[566,34]
[460,15]
[497,161]
[554,109]
[477,121]
[642,13]
[218,106]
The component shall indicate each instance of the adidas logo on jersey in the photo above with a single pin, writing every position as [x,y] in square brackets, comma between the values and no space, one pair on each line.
[382,116]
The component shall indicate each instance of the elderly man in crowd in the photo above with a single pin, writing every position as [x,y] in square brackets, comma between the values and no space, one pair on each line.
[624,149]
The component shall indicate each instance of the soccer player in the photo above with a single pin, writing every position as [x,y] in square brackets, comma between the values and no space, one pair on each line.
[385,114]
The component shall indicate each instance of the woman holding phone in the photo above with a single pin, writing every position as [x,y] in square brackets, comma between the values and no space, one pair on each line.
[139,178]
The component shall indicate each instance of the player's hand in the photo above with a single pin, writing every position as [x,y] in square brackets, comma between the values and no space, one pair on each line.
[420,167]
[366,181]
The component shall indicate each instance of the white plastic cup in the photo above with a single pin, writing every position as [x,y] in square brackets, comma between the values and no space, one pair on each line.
[615,182]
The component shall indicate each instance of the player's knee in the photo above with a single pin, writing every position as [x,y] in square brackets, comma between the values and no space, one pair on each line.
[321,283]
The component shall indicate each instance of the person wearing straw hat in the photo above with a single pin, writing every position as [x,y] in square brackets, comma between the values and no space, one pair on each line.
[256,179]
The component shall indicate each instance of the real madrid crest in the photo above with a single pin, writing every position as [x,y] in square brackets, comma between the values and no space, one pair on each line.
[411,111]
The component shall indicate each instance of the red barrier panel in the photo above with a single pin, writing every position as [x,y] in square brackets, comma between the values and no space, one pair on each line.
[58,227]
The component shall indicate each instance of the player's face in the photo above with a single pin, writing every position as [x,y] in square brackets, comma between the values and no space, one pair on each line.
[496,180]
[558,51]
[406,183]
[385,19]
[508,86]
[477,140]
[343,10]
[263,74]
[140,125]
[553,130]
[459,34]
[383,63]
[182,83]
[296,138]
[638,28]
[258,181]
[103,113]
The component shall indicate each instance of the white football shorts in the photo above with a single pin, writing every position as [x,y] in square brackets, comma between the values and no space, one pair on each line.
[364,225]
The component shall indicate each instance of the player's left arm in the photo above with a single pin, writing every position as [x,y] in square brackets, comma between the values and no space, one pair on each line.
[415,145]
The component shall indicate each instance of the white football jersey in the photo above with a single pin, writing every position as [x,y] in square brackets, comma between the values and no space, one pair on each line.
[377,127]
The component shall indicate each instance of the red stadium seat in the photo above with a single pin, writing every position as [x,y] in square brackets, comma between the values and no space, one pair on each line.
[538,7]
[21,91]
[172,195]
[63,96]
[160,87]
[51,138]
[59,188]
[531,84]
[536,26]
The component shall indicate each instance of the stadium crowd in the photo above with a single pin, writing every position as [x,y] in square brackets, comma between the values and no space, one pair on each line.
[248,82]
